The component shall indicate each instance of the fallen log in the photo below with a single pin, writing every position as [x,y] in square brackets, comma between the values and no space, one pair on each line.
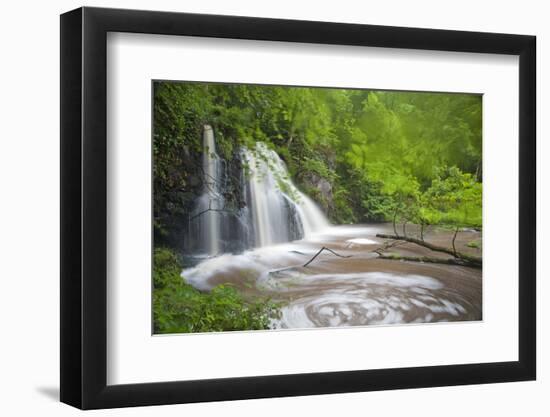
[474,260]
[428,259]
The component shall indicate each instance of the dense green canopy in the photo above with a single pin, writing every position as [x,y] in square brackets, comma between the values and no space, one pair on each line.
[380,151]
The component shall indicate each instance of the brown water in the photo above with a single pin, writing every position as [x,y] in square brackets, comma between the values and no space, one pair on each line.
[358,290]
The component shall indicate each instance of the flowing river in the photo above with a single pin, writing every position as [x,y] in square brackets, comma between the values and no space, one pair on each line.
[357,290]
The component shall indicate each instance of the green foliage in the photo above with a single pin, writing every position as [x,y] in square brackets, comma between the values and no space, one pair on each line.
[457,198]
[380,151]
[343,205]
[180,308]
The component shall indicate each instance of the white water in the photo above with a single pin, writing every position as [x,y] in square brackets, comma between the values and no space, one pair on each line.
[268,208]
[360,241]
[280,212]
[211,199]
[366,298]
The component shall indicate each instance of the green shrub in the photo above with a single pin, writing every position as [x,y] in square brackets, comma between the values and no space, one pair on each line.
[180,308]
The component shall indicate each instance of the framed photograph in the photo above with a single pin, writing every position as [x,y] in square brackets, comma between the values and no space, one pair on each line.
[257,208]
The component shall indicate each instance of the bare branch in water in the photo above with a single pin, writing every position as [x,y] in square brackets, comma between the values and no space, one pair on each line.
[327,249]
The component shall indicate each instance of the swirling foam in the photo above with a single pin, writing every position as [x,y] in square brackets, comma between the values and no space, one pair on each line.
[372,298]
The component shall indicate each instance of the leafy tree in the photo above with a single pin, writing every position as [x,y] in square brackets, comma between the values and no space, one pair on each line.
[457,197]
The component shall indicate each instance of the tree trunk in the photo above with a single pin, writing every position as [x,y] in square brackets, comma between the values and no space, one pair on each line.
[449,251]
[405,229]
[479,173]
[429,259]
[422,232]
[290,139]
[394,217]
[454,238]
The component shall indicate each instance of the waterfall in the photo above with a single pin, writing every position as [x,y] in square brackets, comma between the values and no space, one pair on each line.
[280,212]
[270,208]
[211,200]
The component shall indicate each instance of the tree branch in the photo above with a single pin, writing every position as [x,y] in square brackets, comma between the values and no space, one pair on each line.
[211,209]
[327,249]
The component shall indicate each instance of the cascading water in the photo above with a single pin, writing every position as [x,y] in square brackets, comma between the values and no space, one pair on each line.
[272,210]
[209,204]
[280,212]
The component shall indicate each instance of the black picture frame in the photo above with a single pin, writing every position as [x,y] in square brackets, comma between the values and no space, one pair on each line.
[84,207]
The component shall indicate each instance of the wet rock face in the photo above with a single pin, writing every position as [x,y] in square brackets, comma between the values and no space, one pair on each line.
[323,190]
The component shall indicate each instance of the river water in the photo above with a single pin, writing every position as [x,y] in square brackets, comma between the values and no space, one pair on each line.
[357,290]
